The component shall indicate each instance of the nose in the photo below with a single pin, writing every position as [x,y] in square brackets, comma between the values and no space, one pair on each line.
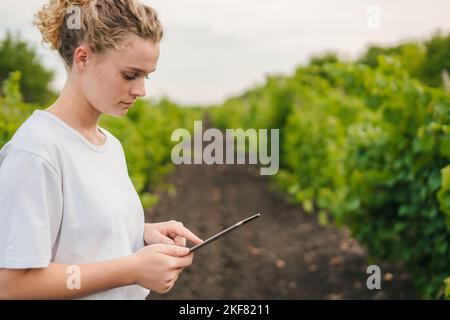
[139,89]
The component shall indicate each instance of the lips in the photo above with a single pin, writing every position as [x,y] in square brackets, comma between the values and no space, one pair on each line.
[128,103]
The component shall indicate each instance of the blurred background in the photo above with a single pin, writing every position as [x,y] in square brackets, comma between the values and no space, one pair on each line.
[360,92]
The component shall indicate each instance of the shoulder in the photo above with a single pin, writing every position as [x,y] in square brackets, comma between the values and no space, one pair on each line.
[38,135]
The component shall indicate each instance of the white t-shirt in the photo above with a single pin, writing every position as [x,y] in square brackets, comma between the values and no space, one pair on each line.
[66,200]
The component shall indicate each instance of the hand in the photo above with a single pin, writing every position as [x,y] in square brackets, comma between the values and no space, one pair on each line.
[158,266]
[170,232]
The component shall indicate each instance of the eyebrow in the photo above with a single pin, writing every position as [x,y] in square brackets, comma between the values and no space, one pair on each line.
[139,69]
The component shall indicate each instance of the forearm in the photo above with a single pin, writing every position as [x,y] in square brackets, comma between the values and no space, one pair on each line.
[52,282]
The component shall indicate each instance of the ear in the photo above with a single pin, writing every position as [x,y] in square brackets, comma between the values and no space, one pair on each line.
[81,57]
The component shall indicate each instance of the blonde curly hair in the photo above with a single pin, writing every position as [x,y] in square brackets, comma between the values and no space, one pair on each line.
[104,24]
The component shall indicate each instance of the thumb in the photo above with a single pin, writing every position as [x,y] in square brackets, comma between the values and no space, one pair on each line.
[171,250]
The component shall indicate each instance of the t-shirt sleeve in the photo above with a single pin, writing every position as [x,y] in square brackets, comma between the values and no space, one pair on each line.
[31,206]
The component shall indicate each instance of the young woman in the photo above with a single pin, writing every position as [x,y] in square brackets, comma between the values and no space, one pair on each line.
[71,222]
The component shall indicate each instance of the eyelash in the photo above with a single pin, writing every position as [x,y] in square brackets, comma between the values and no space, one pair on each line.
[128,78]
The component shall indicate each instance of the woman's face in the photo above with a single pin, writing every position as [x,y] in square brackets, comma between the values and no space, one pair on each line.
[115,79]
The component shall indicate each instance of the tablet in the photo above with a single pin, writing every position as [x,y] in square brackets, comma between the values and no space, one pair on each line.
[224,232]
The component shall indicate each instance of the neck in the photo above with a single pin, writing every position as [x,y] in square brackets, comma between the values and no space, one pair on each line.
[74,109]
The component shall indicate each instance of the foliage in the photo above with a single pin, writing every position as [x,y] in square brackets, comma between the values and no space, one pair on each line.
[369,146]
[17,55]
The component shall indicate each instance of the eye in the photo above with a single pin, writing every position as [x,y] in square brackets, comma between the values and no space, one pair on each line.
[129,77]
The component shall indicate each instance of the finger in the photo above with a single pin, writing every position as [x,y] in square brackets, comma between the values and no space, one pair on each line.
[177,272]
[185,232]
[170,249]
[166,240]
[180,241]
[184,261]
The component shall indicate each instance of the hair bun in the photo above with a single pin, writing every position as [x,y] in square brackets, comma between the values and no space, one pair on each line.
[50,18]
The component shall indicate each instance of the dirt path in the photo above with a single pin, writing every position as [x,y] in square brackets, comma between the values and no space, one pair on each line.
[284,254]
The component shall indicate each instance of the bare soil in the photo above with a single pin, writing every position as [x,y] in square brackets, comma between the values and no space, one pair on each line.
[284,254]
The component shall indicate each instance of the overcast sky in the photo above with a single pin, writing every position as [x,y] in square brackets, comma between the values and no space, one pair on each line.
[214,49]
